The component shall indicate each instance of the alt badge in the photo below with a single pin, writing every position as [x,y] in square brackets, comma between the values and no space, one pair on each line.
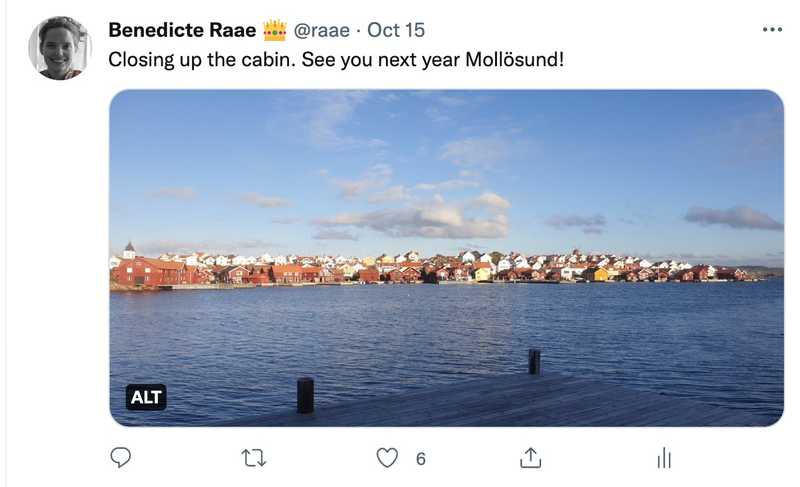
[146,397]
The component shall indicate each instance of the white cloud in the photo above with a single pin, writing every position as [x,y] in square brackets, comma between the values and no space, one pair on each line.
[154,248]
[263,201]
[331,234]
[736,217]
[476,151]
[331,111]
[431,219]
[287,220]
[449,185]
[393,193]
[592,224]
[178,193]
[492,201]
[376,176]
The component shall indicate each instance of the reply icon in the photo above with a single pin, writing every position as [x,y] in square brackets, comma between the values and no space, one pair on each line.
[120,455]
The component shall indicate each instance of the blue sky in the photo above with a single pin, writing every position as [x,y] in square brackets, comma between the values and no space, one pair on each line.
[697,175]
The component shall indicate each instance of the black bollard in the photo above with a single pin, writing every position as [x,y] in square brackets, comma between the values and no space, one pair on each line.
[305,395]
[534,362]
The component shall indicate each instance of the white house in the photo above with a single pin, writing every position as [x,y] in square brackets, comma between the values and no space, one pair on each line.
[487,257]
[281,260]
[238,260]
[347,270]
[467,257]
[504,265]
[190,259]
[571,272]
[645,264]
[221,260]
[266,258]
[520,262]
[113,262]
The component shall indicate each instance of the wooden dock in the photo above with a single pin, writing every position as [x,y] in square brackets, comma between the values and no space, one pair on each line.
[516,400]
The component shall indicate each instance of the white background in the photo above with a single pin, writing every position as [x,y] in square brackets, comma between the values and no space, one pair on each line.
[59,429]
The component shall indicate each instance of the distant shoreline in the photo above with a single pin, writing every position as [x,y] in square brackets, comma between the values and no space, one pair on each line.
[117,288]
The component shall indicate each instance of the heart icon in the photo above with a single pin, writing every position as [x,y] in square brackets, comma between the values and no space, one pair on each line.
[387,456]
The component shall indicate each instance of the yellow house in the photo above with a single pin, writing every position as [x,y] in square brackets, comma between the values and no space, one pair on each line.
[385,259]
[347,270]
[483,274]
[597,274]
[368,261]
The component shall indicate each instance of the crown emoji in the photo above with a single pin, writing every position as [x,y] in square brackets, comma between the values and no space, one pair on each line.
[274,30]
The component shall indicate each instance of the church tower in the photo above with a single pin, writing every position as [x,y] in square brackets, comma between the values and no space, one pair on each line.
[129,253]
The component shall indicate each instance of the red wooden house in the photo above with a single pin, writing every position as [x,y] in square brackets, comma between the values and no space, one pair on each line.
[554,274]
[370,274]
[260,275]
[508,275]
[286,274]
[330,275]
[645,275]
[142,271]
[700,272]
[538,275]
[394,275]
[731,274]
[310,273]
[411,274]
[459,273]
[233,274]
[631,276]
[196,275]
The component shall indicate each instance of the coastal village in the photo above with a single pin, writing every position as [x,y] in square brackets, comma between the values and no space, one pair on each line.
[200,270]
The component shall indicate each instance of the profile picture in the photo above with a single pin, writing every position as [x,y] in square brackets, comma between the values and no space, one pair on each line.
[59,48]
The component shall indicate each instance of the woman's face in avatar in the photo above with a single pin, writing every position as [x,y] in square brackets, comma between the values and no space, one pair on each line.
[58,48]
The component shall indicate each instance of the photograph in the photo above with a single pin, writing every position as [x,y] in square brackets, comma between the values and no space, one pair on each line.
[59,48]
[444,257]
